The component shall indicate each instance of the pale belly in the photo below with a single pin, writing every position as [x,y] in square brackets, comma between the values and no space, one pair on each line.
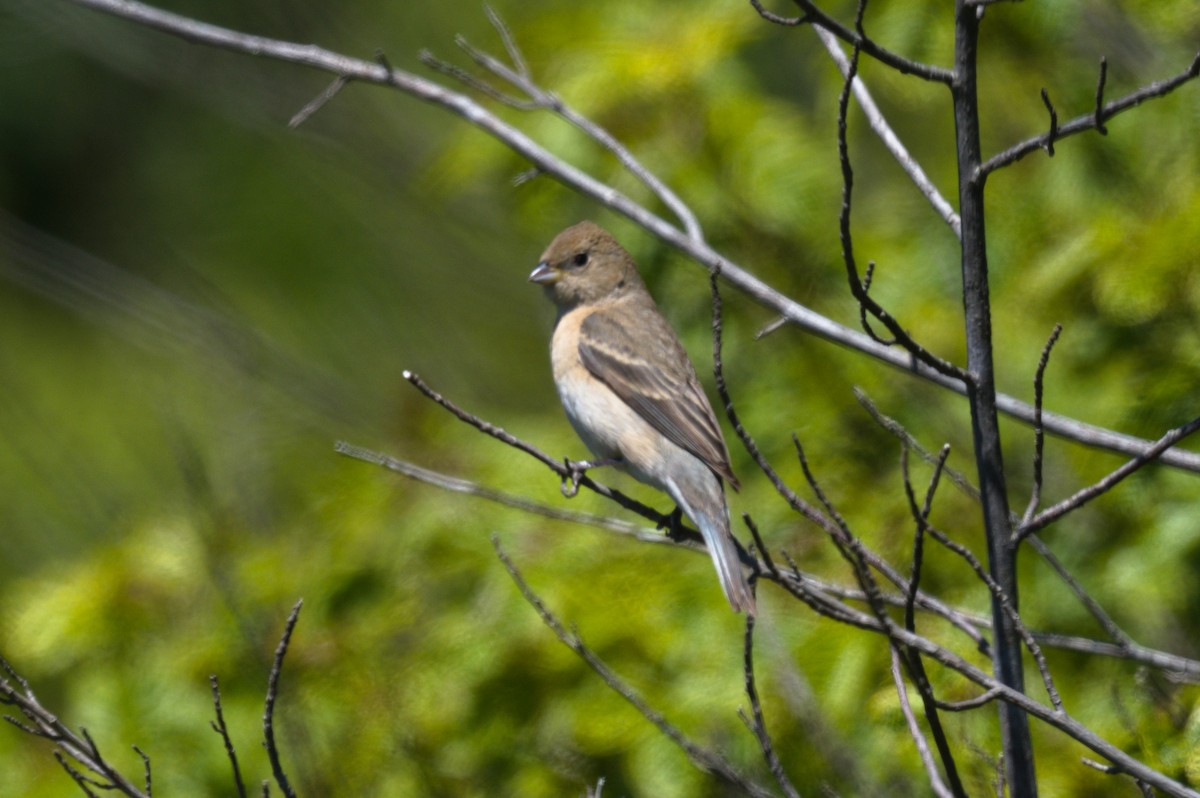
[608,427]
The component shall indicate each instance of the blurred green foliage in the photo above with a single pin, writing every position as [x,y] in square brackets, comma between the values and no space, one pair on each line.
[197,302]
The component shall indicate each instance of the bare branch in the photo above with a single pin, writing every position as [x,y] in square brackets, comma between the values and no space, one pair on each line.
[318,102]
[521,78]
[563,471]
[467,487]
[935,778]
[146,769]
[71,746]
[1092,121]
[969,703]
[1084,496]
[1039,437]
[269,708]
[891,141]
[900,336]
[708,761]
[219,727]
[1126,648]
[1113,770]
[911,658]
[1052,134]
[1006,605]
[1098,114]
[758,725]
[544,162]
[857,38]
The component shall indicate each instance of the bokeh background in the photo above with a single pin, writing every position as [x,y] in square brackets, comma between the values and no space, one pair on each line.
[196,302]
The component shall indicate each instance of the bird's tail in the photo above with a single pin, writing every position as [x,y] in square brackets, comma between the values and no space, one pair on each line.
[713,519]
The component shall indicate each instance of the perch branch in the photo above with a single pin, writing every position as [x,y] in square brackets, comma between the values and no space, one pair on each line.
[544,162]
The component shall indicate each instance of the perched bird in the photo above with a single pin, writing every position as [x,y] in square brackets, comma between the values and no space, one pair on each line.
[631,392]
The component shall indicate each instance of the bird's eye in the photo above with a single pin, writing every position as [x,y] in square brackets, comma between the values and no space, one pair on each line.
[581,259]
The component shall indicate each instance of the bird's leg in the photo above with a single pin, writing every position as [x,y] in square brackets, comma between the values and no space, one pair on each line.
[673,524]
[577,468]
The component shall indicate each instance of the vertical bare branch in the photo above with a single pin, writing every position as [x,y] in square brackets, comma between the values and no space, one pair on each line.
[981,395]
[912,658]
[1098,115]
[1052,135]
[1039,434]
[269,708]
[219,727]
[756,722]
[935,778]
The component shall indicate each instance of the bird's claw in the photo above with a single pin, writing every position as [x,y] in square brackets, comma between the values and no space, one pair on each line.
[575,471]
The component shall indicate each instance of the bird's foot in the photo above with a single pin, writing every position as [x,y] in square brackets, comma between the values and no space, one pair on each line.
[576,469]
[674,526]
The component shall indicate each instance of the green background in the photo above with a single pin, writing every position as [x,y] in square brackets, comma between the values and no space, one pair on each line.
[197,302]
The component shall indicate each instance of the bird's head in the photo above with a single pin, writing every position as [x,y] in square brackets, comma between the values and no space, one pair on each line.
[585,264]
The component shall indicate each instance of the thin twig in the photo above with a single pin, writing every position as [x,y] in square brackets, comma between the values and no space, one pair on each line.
[269,708]
[1089,121]
[1052,135]
[855,37]
[556,466]
[867,305]
[969,703]
[778,19]
[219,727]
[318,102]
[1098,116]
[935,778]
[1001,597]
[146,769]
[887,135]
[756,723]
[912,659]
[1113,770]
[467,487]
[1082,497]
[519,77]
[1039,433]
[703,758]
[1098,612]
[1125,648]
[71,746]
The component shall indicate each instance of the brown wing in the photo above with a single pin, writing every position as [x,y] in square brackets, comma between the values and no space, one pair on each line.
[654,376]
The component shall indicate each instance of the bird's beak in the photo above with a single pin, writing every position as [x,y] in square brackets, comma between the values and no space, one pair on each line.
[545,274]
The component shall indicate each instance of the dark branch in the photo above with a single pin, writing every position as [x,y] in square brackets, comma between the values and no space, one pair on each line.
[1052,134]
[269,709]
[706,760]
[778,19]
[1090,121]
[1084,496]
[219,727]
[757,724]
[1039,433]
[1098,116]
[857,38]
[935,778]
[858,287]
[564,471]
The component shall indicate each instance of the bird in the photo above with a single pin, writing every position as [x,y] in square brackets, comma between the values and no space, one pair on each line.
[631,392]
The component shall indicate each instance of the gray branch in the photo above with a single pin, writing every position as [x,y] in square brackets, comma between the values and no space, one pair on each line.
[371,72]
